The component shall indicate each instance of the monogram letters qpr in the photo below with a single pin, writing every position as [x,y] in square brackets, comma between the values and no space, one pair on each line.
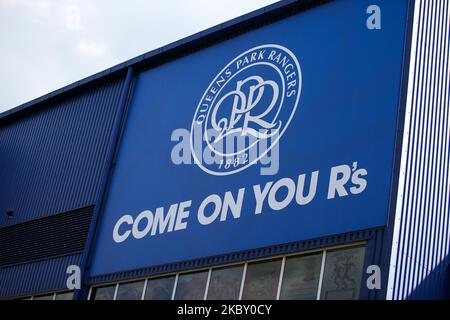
[252,100]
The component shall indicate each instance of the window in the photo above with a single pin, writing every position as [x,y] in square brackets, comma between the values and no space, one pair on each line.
[325,274]
[160,288]
[44,297]
[103,293]
[301,277]
[342,275]
[225,283]
[261,280]
[64,295]
[191,286]
[130,291]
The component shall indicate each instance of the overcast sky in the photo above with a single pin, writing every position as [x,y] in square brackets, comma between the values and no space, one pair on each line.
[47,44]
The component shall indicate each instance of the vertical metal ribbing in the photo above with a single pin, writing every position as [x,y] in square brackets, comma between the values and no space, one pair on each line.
[446,105]
[430,261]
[106,174]
[51,161]
[403,182]
[414,177]
[36,277]
[57,149]
[420,230]
[420,246]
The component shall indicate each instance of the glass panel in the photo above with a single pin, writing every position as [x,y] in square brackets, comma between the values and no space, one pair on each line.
[191,286]
[103,293]
[130,291]
[301,277]
[225,283]
[44,297]
[159,289]
[342,275]
[261,280]
[64,295]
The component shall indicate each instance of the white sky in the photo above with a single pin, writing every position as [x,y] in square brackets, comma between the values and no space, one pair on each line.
[47,44]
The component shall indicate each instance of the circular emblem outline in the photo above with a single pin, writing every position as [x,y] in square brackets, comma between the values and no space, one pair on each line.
[274,143]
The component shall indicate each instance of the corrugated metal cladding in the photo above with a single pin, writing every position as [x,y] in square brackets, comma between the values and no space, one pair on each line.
[421,244]
[32,278]
[42,238]
[51,159]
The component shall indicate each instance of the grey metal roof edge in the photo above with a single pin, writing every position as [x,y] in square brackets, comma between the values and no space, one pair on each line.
[159,52]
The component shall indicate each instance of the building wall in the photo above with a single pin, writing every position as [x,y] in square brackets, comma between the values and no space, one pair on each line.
[145,177]
[52,158]
[419,264]
[41,276]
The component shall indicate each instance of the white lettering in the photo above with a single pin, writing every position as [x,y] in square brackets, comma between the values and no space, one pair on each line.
[216,201]
[289,184]
[122,237]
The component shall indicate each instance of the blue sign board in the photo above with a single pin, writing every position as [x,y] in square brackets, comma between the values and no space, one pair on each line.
[280,134]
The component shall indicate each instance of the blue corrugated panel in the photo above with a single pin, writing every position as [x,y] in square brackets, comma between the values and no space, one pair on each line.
[56,235]
[51,159]
[419,266]
[36,277]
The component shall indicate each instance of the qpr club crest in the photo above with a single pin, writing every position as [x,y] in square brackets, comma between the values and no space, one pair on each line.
[246,109]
